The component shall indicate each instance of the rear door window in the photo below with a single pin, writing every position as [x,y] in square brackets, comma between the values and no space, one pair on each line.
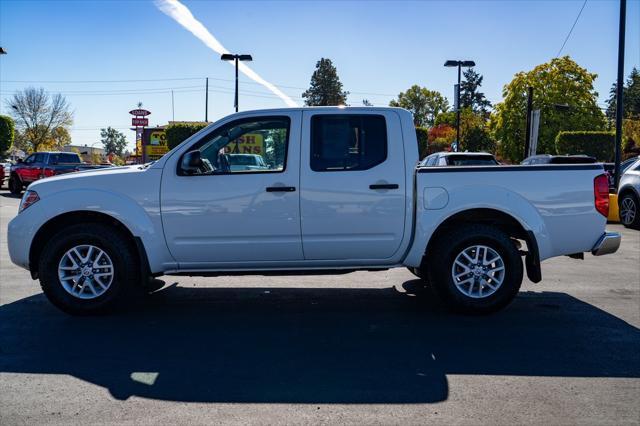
[347,142]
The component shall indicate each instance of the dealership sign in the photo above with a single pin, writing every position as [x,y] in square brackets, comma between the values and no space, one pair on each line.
[247,144]
[140,112]
[136,121]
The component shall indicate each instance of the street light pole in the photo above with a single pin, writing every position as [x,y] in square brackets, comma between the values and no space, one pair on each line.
[236,58]
[619,90]
[459,64]
[458,110]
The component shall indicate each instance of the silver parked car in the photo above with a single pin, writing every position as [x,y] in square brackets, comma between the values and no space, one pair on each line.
[629,196]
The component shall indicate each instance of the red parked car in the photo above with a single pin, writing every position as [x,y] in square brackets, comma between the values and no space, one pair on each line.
[44,164]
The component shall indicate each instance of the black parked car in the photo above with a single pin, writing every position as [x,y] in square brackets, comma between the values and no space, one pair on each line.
[558,159]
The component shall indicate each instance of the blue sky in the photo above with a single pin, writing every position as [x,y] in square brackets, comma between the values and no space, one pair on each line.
[80,49]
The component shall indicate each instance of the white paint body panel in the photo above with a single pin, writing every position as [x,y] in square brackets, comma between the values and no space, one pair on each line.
[332,220]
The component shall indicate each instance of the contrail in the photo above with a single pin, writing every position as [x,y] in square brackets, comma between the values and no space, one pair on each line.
[181,14]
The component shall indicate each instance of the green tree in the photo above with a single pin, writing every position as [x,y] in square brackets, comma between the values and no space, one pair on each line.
[7,133]
[470,94]
[558,82]
[113,141]
[425,104]
[631,97]
[37,115]
[325,88]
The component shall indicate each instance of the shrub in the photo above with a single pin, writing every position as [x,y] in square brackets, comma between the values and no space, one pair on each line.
[177,133]
[442,132]
[596,144]
[422,134]
[7,133]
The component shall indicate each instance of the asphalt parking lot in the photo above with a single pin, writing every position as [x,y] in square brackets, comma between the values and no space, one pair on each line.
[366,348]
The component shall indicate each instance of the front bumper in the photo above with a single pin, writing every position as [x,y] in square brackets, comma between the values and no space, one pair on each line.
[608,243]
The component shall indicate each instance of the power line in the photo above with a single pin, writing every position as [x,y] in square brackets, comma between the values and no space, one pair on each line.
[572,27]
[172,79]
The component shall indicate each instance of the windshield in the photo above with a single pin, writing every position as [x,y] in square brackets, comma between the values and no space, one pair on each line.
[64,158]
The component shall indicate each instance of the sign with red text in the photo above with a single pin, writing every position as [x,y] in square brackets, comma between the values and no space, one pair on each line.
[136,121]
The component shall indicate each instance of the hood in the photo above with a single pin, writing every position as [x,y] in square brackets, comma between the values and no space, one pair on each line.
[116,179]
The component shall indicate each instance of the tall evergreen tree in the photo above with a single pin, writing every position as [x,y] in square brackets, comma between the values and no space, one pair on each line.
[470,95]
[631,97]
[325,88]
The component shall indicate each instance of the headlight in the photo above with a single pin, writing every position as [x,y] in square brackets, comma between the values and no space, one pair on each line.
[29,198]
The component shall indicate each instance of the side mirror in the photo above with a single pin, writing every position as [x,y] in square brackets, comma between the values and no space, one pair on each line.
[191,162]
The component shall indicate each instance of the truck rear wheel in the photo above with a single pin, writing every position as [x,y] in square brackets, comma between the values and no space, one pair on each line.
[476,269]
[88,269]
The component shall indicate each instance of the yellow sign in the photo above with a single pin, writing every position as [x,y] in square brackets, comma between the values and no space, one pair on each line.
[157,143]
[251,143]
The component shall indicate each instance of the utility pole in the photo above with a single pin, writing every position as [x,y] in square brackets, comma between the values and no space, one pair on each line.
[619,88]
[527,138]
[206,100]
[173,111]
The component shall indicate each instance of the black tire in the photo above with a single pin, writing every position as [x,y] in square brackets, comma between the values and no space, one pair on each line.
[15,186]
[627,202]
[418,272]
[446,250]
[126,278]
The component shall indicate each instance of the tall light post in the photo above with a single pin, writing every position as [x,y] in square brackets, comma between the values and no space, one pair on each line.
[236,58]
[459,64]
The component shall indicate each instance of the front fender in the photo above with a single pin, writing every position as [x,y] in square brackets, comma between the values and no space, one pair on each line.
[141,218]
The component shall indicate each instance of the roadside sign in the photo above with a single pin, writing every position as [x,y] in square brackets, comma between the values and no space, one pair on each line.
[139,121]
[140,112]
[157,144]
[251,143]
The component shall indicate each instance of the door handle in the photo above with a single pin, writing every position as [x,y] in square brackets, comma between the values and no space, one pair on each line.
[281,188]
[384,186]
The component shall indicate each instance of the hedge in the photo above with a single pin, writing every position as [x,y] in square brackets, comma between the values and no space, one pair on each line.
[422,134]
[596,144]
[7,133]
[179,132]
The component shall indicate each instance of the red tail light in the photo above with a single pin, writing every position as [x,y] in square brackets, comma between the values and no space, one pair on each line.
[601,194]
[49,172]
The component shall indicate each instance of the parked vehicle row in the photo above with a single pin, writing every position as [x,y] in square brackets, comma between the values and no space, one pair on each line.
[45,164]
[345,194]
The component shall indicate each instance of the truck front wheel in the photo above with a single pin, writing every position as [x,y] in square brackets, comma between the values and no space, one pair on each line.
[88,269]
[475,269]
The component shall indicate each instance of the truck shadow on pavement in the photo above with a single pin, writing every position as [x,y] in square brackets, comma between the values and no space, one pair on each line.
[296,345]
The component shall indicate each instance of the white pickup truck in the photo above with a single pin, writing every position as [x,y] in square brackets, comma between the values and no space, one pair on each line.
[340,191]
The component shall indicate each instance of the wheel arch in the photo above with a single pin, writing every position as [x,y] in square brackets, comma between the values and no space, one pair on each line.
[628,189]
[48,229]
[496,218]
